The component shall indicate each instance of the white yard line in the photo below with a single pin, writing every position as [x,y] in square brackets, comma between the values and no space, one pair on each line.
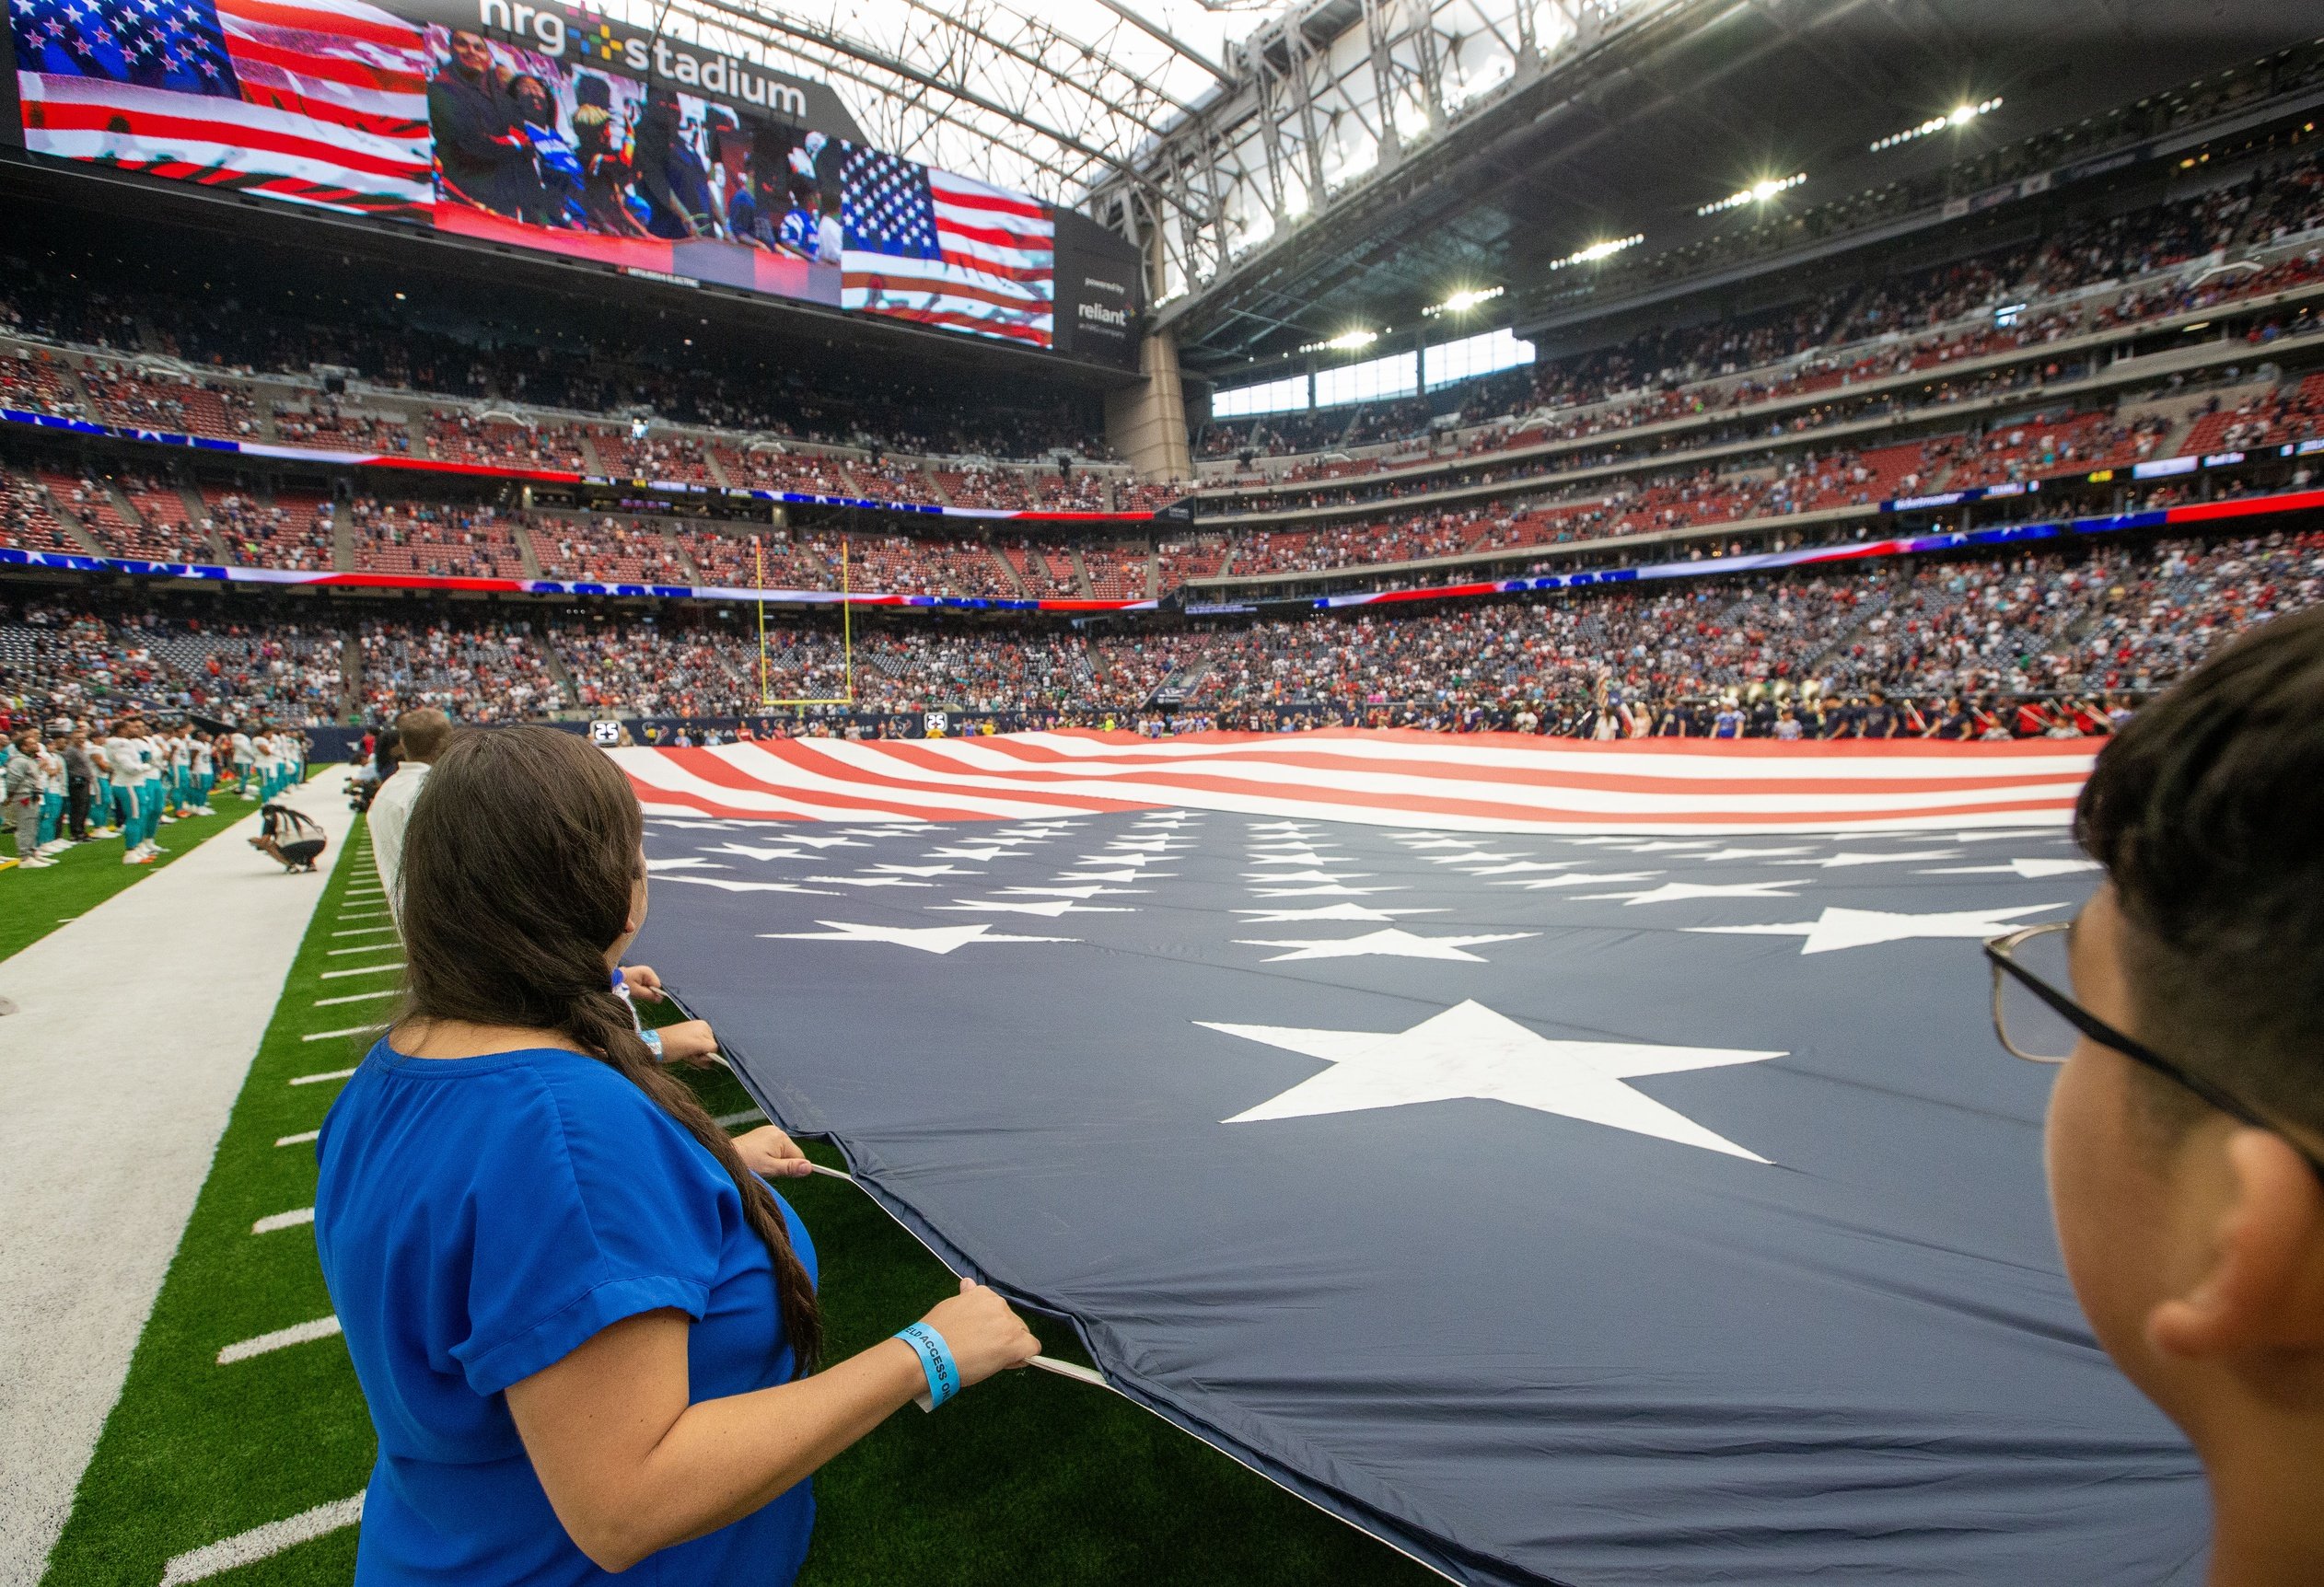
[352,997]
[301,1139]
[748,1116]
[292,1219]
[173,980]
[362,970]
[280,1339]
[328,1074]
[363,931]
[261,1542]
[328,1035]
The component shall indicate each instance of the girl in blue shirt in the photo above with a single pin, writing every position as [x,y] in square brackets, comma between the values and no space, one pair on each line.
[581,1319]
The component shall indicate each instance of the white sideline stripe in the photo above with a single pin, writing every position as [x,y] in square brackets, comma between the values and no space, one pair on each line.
[94,1201]
[362,970]
[301,1139]
[363,947]
[261,1542]
[363,931]
[352,997]
[280,1339]
[728,1121]
[326,1074]
[290,1220]
[329,1035]
[362,914]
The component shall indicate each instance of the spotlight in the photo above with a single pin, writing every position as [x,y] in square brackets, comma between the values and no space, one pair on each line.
[1758,191]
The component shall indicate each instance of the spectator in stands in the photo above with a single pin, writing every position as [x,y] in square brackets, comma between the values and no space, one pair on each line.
[510,1183]
[2186,1130]
[421,736]
[480,144]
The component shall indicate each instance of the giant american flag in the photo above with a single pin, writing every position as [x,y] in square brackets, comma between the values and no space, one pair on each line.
[321,102]
[1572,1162]
[929,245]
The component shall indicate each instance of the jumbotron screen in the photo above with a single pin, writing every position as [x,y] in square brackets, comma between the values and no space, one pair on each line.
[557,129]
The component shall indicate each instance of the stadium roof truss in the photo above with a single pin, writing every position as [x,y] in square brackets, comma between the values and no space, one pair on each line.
[1326,94]
[1206,131]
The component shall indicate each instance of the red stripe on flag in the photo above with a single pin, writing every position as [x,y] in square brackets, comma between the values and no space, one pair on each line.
[985,199]
[376,28]
[60,116]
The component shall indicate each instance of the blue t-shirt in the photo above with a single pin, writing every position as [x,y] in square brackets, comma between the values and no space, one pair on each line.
[478,1219]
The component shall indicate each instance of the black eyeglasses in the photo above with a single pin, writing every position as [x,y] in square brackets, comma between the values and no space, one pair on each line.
[2039,1023]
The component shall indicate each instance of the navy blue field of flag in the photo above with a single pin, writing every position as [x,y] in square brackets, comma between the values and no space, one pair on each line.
[1595,1210]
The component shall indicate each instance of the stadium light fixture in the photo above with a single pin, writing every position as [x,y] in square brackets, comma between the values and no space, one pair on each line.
[1346,342]
[1961,115]
[1598,250]
[1760,192]
[1464,300]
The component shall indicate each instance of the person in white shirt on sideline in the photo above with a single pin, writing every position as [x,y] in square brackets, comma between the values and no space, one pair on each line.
[204,771]
[242,758]
[125,764]
[422,735]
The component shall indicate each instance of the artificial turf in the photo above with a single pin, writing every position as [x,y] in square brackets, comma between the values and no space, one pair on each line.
[34,903]
[1029,1477]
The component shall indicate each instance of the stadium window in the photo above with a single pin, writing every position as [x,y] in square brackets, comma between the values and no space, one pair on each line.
[1374,380]
[1474,355]
[1287,395]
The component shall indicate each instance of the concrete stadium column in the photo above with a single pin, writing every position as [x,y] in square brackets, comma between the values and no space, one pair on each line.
[1146,423]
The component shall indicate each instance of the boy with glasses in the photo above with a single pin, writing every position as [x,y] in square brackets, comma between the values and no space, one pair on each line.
[2185,1007]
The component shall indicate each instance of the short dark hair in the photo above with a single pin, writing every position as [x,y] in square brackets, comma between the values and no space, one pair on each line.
[2207,811]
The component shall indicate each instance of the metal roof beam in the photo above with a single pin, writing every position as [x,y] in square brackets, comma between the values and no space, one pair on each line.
[1177,45]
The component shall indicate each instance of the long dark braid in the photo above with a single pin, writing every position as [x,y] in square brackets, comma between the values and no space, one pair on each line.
[518,865]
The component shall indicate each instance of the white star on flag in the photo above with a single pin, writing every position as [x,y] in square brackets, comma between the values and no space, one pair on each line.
[1521,867]
[1840,862]
[1468,1051]
[1114,876]
[1283,825]
[1050,909]
[1581,879]
[920,871]
[1748,855]
[1479,857]
[1836,928]
[985,856]
[1671,892]
[1118,859]
[753,851]
[725,885]
[871,881]
[815,842]
[1295,857]
[1325,890]
[1272,877]
[656,867]
[1088,890]
[2032,870]
[1330,913]
[1666,848]
[927,939]
[1390,942]
[1442,843]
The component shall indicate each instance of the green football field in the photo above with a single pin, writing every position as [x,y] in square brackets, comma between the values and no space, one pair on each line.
[1030,1477]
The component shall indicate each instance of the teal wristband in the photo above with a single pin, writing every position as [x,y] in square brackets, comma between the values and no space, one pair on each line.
[653,1040]
[936,1360]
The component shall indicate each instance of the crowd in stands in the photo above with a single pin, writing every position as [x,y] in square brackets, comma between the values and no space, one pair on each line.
[2108,618]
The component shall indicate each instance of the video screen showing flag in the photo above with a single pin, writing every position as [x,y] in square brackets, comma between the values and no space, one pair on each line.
[940,250]
[319,103]
[340,105]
